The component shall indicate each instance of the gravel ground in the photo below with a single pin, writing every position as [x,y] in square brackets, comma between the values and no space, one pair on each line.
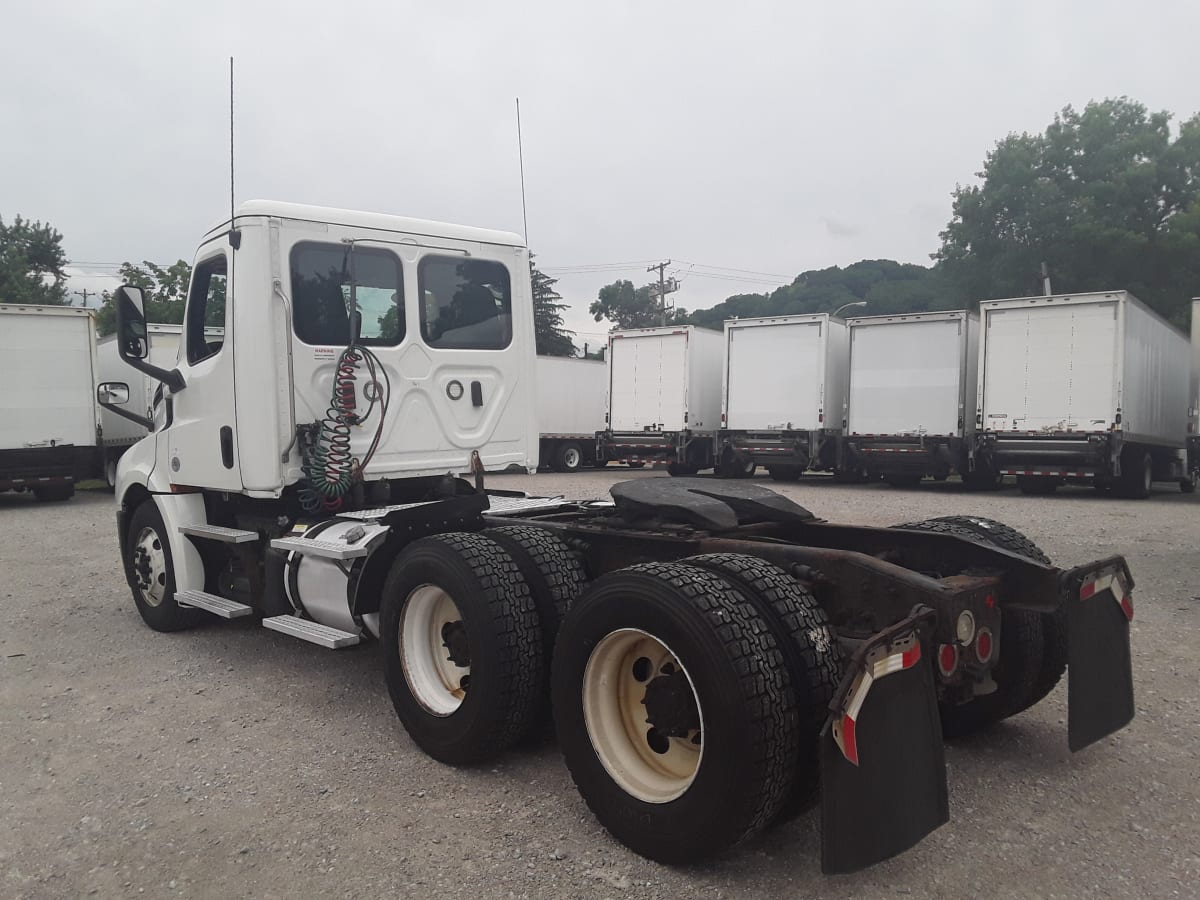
[233,761]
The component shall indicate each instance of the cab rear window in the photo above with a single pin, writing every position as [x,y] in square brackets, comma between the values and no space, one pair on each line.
[321,276]
[466,304]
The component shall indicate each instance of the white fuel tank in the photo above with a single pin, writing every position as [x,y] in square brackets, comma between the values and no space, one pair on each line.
[324,588]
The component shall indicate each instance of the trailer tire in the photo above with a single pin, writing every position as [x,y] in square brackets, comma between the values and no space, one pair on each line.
[678,470]
[784,473]
[1188,485]
[568,457]
[810,651]
[722,686]
[54,493]
[470,581]
[1054,625]
[1137,473]
[636,465]
[553,573]
[1019,670]
[905,480]
[733,466]
[151,574]
[1037,485]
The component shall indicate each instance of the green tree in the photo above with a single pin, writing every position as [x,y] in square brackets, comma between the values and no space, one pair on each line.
[629,307]
[31,264]
[165,291]
[1107,198]
[552,338]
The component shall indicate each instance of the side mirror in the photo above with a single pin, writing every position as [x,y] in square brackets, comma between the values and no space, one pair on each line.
[115,393]
[112,394]
[133,342]
[131,323]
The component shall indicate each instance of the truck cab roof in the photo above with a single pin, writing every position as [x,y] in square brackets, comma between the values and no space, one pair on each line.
[377,221]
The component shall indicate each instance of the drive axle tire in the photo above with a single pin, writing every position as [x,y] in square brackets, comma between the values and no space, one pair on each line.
[809,646]
[463,653]
[1018,671]
[1054,625]
[674,711]
[151,575]
[1188,485]
[553,573]
[568,457]
[784,473]
[902,481]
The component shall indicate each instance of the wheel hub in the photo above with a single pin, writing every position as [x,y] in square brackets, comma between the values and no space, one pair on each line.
[454,639]
[670,704]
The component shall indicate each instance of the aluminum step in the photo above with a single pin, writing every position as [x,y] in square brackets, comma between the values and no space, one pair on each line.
[508,506]
[318,547]
[218,606]
[219,533]
[313,632]
[367,515]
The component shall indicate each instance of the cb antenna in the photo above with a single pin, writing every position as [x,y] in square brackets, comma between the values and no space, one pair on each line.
[235,237]
[521,157]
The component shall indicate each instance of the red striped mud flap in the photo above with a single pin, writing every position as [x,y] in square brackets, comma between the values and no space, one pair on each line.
[1099,671]
[883,767]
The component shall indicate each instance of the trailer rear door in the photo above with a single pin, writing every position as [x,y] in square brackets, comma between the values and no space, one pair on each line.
[1051,368]
[905,377]
[775,376]
[648,382]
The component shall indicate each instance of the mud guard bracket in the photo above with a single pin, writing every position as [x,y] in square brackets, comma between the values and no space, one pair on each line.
[1099,669]
[883,766]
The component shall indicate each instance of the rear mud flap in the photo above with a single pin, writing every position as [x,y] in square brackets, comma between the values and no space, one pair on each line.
[883,766]
[1099,670]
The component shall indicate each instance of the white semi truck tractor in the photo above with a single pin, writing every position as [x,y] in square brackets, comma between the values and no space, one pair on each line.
[713,654]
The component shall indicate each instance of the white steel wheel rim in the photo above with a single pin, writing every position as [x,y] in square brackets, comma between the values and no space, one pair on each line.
[616,718]
[572,457]
[436,682]
[150,566]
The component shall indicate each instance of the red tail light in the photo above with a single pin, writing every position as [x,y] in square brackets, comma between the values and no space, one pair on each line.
[984,645]
[947,659]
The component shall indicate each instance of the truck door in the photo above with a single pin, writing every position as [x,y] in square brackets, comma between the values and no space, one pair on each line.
[201,441]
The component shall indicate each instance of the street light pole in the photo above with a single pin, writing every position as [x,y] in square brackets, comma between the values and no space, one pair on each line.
[848,306]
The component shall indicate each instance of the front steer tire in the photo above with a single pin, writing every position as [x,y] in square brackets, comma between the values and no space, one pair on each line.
[745,709]
[491,624]
[151,574]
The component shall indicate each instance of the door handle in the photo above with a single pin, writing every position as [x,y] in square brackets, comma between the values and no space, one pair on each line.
[476,394]
[227,446]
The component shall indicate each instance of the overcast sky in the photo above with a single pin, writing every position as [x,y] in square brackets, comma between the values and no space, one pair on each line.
[767,137]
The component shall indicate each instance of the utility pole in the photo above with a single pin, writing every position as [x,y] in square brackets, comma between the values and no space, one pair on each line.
[664,287]
[85,293]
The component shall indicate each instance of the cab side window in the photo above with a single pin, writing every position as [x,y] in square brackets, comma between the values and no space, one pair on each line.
[205,322]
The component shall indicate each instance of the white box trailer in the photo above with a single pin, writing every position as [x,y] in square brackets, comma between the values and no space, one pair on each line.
[664,397]
[570,410]
[48,417]
[1091,388]
[911,400]
[784,392]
